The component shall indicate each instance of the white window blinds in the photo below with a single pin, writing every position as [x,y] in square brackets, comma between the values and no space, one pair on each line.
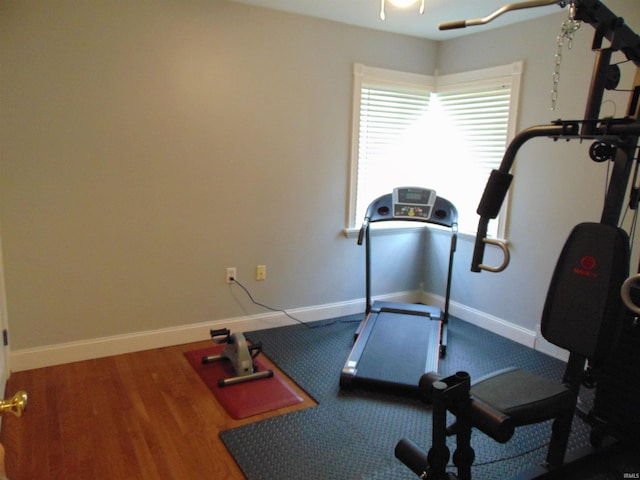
[447,138]
[387,141]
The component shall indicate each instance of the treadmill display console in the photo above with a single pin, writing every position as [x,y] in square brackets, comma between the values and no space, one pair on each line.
[413,202]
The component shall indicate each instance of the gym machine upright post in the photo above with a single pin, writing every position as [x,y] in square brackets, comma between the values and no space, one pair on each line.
[398,342]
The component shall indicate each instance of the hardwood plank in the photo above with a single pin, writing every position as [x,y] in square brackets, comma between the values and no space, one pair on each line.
[145,415]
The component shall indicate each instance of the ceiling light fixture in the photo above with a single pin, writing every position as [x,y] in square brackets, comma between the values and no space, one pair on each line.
[400,4]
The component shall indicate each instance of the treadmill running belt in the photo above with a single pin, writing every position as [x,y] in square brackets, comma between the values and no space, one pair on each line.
[400,349]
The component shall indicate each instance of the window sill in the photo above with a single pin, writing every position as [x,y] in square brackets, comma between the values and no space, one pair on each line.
[410,227]
[382,229]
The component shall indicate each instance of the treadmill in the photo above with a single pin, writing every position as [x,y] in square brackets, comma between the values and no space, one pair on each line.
[397,343]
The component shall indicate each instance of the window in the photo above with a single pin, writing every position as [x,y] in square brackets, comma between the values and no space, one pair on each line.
[445,133]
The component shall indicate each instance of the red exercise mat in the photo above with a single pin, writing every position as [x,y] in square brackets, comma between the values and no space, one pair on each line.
[242,399]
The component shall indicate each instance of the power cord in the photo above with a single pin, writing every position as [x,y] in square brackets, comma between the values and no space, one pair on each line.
[333,322]
[504,459]
[517,455]
[255,302]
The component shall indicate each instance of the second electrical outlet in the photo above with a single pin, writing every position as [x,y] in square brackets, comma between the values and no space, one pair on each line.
[261,272]
[231,274]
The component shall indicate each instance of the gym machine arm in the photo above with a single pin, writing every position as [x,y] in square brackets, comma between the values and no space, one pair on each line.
[621,132]
[507,8]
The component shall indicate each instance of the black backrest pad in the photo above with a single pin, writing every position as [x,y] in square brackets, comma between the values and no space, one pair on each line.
[582,312]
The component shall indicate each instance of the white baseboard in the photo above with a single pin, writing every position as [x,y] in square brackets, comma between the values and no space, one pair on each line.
[30,358]
[49,355]
[499,326]
[484,320]
[549,348]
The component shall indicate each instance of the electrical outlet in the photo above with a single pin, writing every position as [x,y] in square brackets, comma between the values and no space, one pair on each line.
[261,272]
[231,274]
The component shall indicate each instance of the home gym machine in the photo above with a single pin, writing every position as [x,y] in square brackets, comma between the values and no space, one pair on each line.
[398,342]
[240,354]
[614,416]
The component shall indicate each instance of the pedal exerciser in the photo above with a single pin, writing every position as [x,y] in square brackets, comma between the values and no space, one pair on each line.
[240,354]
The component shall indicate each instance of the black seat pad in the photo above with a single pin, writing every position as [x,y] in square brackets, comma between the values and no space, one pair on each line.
[525,396]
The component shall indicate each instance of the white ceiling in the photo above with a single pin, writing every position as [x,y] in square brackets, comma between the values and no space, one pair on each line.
[366,13]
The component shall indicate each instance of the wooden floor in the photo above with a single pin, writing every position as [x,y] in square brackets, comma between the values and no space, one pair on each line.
[144,415]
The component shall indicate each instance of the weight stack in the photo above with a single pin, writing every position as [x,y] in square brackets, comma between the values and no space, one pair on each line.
[617,396]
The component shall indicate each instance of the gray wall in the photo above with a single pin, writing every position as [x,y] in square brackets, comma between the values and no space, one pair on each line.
[148,145]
